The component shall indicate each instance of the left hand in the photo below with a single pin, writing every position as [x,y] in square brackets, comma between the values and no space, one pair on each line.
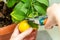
[22,36]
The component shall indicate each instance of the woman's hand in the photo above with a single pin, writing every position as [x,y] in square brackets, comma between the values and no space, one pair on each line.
[20,36]
[53,13]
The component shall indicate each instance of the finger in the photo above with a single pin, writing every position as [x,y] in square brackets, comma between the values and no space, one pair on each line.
[50,23]
[16,32]
[24,34]
[31,36]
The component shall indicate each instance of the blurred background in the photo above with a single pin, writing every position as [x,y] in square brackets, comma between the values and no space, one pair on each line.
[50,34]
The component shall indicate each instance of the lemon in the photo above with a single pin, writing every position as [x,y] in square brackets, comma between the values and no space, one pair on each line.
[23,26]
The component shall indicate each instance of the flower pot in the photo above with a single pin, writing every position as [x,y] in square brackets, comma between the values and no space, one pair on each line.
[5,32]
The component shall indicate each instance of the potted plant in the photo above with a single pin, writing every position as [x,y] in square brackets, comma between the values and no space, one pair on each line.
[6,25]
[24,10]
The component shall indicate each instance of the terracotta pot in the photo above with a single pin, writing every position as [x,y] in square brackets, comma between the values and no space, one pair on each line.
[5,32]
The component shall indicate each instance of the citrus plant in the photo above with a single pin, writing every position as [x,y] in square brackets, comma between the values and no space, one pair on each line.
[25,9]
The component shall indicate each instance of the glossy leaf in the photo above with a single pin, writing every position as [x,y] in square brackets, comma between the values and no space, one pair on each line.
[32,24]
[39,9]
[24,1]
[20,7]
[18,16]
[46,2]
[11,3]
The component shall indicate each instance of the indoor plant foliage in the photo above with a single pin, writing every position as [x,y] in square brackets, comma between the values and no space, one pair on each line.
[26,9]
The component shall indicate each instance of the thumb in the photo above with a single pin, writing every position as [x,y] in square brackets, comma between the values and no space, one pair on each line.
[24,34]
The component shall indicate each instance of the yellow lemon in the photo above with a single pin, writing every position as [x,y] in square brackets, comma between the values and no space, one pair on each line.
[23,25]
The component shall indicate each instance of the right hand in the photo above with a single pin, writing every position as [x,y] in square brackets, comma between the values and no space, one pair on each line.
[53,13]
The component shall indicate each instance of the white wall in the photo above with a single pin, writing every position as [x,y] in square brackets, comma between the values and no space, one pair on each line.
[54,1]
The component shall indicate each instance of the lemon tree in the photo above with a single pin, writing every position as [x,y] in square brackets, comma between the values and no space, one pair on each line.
[25,9]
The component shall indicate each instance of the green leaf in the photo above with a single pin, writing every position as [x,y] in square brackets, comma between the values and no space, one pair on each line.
[14,20]
[31,15]
[46,2]
[42,5]
[11,3]
[24,0]
[39,9]
[20,6]
[18,16]
[24,8]
[32,24]
[35,14]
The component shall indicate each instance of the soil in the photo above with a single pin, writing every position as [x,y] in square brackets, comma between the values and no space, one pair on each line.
[5,18]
